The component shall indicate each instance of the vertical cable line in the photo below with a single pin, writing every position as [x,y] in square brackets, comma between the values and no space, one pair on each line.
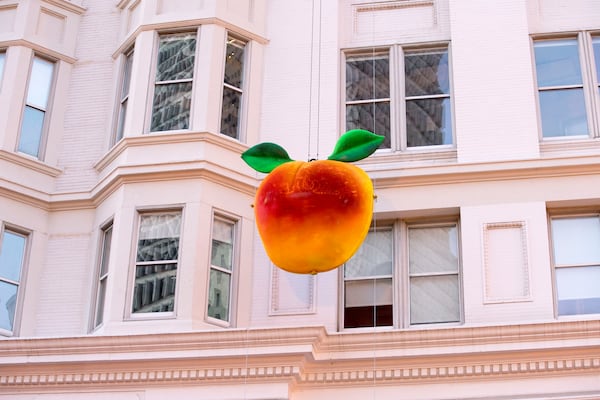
[318,71]
[374,215]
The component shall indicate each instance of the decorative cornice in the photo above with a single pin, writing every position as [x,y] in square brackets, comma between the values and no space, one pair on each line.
[183,24]
[41,49]
[67,5]
[386,170]
[396,174]
[168,138]
[302,356]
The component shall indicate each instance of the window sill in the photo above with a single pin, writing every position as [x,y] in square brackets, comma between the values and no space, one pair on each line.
[414,157]
[567,146]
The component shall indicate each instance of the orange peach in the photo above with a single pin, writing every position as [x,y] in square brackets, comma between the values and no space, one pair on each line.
[312,216]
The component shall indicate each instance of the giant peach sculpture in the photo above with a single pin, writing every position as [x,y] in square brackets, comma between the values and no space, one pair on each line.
[313,216]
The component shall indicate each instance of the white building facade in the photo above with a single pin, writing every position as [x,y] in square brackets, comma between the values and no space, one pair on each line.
[130,265]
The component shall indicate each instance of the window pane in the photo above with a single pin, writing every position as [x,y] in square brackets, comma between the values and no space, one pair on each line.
[367,78]
[154,289]
[218,296]
[31,131]
[368,303]
[578,290]
[563,112]
[106,243]
[374,257]
[428,122]
[234,62]
[576,240]
[557,62]
[100,303]
[8,305]
[126,75]
[40,83]
[121,123]
[171,106]
[374,117]
[434,299]
[11,256]
[427,73]
[596,45]
[432,250]
[230,116]
[2,58]
[159,237]
[176,57]
[222,244]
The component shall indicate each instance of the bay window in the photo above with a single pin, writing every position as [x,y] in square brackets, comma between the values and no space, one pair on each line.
[123,95]
[233,87]
[404,274]
[156,262]
[102,274]
[222,261]
[174,75]
[34,117]
[402,94]
[13,245]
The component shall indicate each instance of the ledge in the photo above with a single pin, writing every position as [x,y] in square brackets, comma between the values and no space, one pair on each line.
[302,356]
[386,175]
[30,163]
[67,5]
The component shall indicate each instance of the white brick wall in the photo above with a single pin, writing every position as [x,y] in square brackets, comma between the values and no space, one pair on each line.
[65,290]
[88,117]
[493,89]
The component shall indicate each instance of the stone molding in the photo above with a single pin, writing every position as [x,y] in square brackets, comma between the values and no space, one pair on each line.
[303,356]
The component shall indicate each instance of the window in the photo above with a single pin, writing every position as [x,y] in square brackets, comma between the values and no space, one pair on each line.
[103,274]
[36,106]
[576,244]
[565,90]
[410,281]
[368,282]
[221,269]
[380,97]
[433,274]
[13,245]
[233,87]
[173,82]
[156,262]
[124,95]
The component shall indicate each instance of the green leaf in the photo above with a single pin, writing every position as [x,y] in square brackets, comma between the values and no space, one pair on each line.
[355,145]
[265,157]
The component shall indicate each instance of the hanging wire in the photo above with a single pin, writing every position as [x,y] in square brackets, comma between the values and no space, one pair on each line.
[373,82]
[310,78]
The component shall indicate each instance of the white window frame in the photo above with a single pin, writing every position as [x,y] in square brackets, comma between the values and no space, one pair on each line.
[140,213]
[397,80]
[154,83]
[555,266]
[235,221]
[45,109]
[123,96]
[589,85]
[26,234]
[233,38]
[401,276]
[101,275]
